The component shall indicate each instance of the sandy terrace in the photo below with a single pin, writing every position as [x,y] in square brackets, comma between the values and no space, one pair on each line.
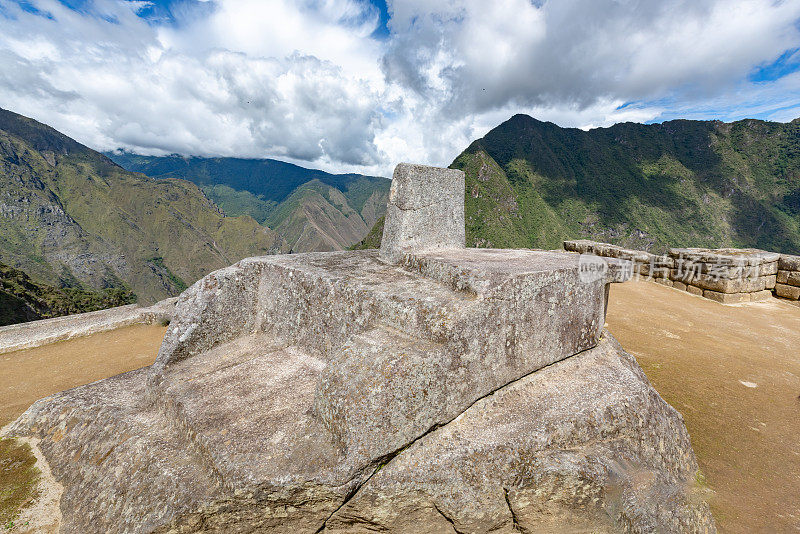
[30,374]
[734,374]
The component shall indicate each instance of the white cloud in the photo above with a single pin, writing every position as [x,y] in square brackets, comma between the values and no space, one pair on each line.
[332,30]
[113,83]
[306,81]
[580,52]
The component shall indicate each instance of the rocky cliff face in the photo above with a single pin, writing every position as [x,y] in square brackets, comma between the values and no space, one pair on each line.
[466,390]
[70,217]
[311,210]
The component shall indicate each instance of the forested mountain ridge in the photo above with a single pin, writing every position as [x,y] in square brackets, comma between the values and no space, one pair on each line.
[648,186]
[532,184]
[23,299]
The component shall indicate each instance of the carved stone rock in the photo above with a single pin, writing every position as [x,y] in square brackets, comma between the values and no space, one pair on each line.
[459,388]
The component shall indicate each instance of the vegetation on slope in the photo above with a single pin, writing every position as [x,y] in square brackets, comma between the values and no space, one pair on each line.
[531,184]
[235,203]
[23,299]
[19,477]
[373,238]
[70,217]
[318,217]
[282,196]
[689,183]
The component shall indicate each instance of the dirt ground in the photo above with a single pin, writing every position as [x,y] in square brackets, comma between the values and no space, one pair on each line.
[28,375]
[734,374]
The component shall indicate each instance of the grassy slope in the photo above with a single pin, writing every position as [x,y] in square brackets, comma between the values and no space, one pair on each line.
[688,183]
[283,196]
[235,203]
[373,238]
[74,218]
[692,183]
[19,477]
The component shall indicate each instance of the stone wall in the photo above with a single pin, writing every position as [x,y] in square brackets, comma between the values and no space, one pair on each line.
[645,264]
[729,276]
[45,331]
[788,279]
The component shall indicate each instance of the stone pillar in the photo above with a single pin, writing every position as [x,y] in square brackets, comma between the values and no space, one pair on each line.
[425,211]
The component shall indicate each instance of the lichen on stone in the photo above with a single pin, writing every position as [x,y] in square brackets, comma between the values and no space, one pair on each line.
[19,478]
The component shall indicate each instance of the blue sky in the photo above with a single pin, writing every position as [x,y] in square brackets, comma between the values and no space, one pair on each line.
[161,11]
[359,85]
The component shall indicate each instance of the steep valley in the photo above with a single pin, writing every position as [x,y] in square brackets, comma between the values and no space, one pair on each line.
[78,231]
[310,210]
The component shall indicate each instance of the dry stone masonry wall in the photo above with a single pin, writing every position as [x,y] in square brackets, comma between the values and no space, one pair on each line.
[729,276]
[788,279]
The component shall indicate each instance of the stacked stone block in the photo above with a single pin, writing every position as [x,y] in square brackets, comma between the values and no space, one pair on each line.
[725,275]
[788,279]
[645,264]
[729,276]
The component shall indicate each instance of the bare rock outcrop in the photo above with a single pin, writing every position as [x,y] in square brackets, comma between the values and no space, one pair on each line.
[584,445]
[449,389]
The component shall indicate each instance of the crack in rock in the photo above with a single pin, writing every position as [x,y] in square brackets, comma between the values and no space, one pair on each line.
[448,519]
[514,520]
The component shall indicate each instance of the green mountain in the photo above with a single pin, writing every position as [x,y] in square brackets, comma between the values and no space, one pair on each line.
[310,209]
[70,217]
[23,299]
[532,184]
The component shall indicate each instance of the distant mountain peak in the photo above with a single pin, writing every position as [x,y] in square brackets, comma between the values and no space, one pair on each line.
[40,136]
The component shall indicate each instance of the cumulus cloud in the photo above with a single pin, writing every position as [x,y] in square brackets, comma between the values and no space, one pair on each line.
[310,81]
[479,56]
[111,79]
